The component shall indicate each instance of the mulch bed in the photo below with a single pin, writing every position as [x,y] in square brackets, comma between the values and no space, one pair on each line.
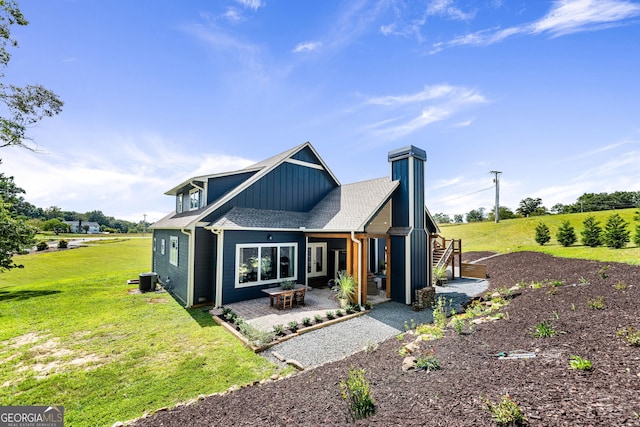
[548,391]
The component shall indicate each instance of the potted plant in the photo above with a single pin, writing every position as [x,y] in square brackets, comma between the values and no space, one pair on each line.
[346,285]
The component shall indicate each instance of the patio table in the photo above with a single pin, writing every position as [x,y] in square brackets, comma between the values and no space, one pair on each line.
[275,293]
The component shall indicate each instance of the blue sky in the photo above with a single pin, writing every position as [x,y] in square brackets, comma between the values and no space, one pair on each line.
[157,91]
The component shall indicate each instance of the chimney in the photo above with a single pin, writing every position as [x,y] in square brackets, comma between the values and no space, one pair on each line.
[409,240]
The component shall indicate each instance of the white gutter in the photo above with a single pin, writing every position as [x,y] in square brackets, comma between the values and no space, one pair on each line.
[191,262]
[357,242]
[220,234]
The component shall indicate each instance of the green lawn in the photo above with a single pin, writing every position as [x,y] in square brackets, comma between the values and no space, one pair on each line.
[514,235]
[72,335]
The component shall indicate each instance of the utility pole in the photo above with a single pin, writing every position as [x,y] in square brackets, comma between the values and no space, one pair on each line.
[144,224]
[497,207]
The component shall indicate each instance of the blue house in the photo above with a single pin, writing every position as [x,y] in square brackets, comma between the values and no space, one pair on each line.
[289,218]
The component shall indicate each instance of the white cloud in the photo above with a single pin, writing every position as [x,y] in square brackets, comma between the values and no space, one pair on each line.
[307,47]
[565,17]
[432,104]
[251,4]
[448,9]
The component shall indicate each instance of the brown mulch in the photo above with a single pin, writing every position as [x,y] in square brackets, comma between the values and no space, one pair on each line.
[548,391]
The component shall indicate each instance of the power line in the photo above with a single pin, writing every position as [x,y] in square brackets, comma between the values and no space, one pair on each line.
[469,194]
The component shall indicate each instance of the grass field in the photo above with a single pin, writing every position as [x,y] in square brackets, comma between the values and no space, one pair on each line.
[72,335]
[518,235]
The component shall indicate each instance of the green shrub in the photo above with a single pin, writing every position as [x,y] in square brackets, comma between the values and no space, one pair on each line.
[293,326]
[356,391]
[592,232]
[330,315]
[544,329]
[630,335]
[542,233]
[42,245]
[278,329]
[636,238]
[339,313]
[596,303]
[317,318]
[506,411]
[616,235]
[577,362]
[306,321]
[63,244]
[566,235]
[428,362]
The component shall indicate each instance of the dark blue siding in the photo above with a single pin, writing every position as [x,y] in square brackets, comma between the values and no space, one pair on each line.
[400,213]
[398,269]
[418,261]
[178,275]
[204,268]
[219,186]
[418,196]
[231,238]
[306,155]
[289,187]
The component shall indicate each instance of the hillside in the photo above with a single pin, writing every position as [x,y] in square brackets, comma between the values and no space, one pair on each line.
[515,235]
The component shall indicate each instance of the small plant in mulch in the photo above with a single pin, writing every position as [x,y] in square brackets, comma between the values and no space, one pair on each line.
[350,309]
[506,412]
[229,315]
[42,245]
[306,321]
[317,318]
[279,330]
[630,335]
[356,391]
[620,286]
[63,244]
[544,329]
[596,303]
[330,315]
[293,326]
[339,313]
[577,362]
[428,362]
[368,306]
[430,332]
[602,272]
[409,325]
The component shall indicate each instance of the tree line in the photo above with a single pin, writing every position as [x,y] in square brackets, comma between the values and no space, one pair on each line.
[533,206]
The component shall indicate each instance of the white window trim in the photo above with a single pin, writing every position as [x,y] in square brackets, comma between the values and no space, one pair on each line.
[163,246]
[179,203]
[311,247]
[155,243]
[278,279]
[199,192]
[174,250]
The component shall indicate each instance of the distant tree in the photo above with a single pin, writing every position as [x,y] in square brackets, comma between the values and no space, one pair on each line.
[476,215]
[542,233]
[86,228]
[558,208]
[458,218]
[592,232]
[566,235]
[503,212]
[442,218]
[636,238]
[530,207]
[15,236]
[52,212]
[56,226]
[616,234]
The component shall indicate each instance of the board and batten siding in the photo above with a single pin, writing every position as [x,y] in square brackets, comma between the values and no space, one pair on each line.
[205,266]
[219,186]
[232,238]
[178,275]
[289,187]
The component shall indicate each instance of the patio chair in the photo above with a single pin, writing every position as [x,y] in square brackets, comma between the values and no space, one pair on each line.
[299,297]
[286,299]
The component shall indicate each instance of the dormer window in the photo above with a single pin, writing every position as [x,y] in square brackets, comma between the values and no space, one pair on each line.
[179,207]
[195,199]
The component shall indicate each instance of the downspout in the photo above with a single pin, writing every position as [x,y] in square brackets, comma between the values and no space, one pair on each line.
[220,239]
[357,242]
[190,267]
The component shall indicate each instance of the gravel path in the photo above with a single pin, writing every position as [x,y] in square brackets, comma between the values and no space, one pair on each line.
[386,320]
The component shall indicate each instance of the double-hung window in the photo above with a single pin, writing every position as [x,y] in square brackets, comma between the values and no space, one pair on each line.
[260,264]
[195,199]
[173,250]
[179,207]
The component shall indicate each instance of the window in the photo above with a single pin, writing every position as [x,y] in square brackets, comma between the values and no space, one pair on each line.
[179,207]
[173,251]
[316,259]
[259,264]
[162,247]
[195,197]
[154,244]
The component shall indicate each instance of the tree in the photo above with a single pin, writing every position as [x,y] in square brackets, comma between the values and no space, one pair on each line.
[592,232]
[458,218]
[636,238]
[530,207]
[442,218]
[566,235]
[504,213]
[559,208]
[476,215]
[616,234]
[26,105]
[542,233]
[56,226]
[15,236]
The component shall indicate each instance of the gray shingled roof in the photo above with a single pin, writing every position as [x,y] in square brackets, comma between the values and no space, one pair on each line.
[347,208]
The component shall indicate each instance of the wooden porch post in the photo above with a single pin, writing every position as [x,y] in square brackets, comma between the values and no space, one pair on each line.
[388,265]
[363,269]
